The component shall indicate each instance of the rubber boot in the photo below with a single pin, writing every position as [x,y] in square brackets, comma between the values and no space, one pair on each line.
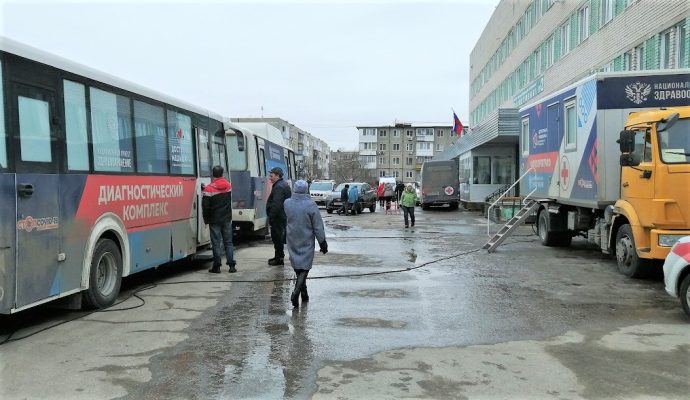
[299,285]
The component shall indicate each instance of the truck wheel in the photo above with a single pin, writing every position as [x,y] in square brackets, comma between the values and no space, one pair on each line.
[359,208]
[425,206]
[684,294]
[453,206]
[329,210]
[372,208]
[105,275]
[543,228]
[629,264]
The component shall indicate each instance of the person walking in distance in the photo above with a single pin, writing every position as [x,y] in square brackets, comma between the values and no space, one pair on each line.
[276,214]
[343,199]
[216,208]
[304,225]
[408,200]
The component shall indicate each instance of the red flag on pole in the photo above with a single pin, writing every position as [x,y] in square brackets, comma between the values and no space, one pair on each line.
[457,125]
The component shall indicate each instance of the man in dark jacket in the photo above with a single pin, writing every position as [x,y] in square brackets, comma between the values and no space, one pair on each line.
[216,207]
[276,214]
[343,199]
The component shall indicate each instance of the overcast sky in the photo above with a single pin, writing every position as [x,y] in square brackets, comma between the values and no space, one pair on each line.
[324,66]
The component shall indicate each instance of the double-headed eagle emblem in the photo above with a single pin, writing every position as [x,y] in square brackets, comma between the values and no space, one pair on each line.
[637,92]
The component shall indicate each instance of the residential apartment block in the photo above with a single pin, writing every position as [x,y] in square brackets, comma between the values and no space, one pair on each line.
[311,153]
[399,150]
[532,48]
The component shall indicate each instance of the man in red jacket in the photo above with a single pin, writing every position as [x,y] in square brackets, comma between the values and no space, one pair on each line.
[216,207]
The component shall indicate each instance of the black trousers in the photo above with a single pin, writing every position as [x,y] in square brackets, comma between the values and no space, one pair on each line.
[278,236]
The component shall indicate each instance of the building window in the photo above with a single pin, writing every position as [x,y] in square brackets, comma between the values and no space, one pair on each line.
[583,24]
[409,147]
[524,136]
[409,174]
[639,63]
[382,133]
[682,46]
[439,133]
[606,13]
[381,160]
[570,126]
[396,133]
[666,50]
[382,173]
[410,133]
[549,55]
[396,160]
[423,146]
[439,147]
[565,38]
[396,174]
[409,161]
[396,146]
[382,146]
[482,170]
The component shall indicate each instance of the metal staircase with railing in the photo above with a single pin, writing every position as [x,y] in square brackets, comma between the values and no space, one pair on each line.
[529,206]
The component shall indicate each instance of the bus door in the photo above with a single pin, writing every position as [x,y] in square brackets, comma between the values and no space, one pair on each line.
[204,157]
[34,132]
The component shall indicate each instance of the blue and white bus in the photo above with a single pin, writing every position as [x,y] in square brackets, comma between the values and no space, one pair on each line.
[99,179]
[254,149]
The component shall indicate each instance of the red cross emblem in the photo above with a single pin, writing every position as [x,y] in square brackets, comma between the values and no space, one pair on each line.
[565,173]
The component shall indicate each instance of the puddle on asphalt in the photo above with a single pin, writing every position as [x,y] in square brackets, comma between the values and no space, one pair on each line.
[371,323]
[377,293]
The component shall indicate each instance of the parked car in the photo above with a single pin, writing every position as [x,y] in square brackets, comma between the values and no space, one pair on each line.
[677,272]
[367,198]
[320,190]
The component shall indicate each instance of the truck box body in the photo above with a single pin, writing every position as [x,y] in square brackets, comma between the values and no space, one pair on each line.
[582,168]
[440,183]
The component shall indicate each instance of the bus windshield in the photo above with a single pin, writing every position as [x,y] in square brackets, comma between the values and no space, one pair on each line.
[674,143]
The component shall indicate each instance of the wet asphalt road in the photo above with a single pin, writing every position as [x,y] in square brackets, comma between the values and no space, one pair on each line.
[526,322]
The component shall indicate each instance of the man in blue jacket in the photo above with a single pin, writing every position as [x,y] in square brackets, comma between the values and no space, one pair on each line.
[216,208]
[304,225]
[352,198]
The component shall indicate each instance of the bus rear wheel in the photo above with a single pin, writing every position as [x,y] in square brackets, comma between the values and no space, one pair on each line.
[105,275]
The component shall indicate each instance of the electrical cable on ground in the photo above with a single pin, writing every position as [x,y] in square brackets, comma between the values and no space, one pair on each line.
[110,308]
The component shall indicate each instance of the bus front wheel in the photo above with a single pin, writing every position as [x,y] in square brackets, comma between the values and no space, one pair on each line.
[105,275]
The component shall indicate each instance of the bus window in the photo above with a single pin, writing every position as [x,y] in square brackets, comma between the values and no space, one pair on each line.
[237,156]
[3,134]
[75,126]
[149,133]
[112,132]
[288,173]
[180,141]
[218,153]
[292,165]
[262,162]
[204,156]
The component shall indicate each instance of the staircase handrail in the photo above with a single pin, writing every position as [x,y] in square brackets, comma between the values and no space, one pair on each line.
[497,192]
[524,201]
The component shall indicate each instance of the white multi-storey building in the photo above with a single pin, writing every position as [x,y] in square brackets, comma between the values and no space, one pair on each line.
[531,48]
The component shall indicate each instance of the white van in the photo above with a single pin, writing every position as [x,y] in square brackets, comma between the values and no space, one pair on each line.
[320,190]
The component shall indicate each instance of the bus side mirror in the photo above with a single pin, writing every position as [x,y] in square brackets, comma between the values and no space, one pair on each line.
[626,141]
